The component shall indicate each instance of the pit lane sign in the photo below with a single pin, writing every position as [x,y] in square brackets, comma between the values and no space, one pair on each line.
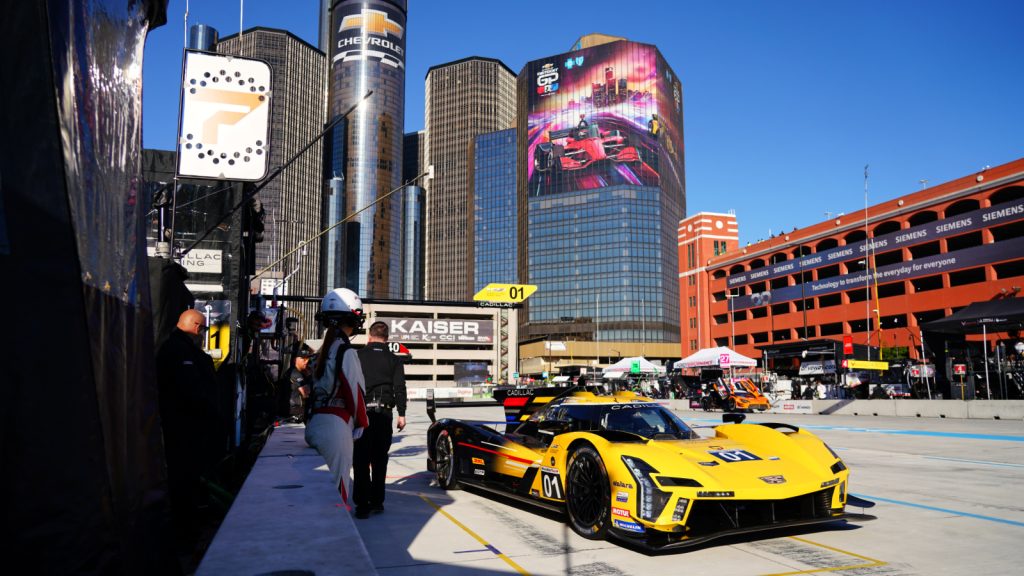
[512,293]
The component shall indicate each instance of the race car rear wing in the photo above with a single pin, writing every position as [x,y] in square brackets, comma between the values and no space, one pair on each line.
[519,402]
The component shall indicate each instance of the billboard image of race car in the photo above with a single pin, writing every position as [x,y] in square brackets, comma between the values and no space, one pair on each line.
[594,154]
[624,466]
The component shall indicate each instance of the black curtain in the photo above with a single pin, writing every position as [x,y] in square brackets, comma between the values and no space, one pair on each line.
[83,487]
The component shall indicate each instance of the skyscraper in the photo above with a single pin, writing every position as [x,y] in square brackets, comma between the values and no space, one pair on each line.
[463,99]
[292,201]
[413,215]
[602,183]
[367,53]
[491,255]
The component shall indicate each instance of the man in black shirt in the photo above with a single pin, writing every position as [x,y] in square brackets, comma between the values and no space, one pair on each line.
[385,390]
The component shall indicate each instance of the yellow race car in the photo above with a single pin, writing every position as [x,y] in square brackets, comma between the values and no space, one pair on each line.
[625,466]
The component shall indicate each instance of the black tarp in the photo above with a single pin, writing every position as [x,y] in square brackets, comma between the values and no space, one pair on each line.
[1001,315]
[83,487]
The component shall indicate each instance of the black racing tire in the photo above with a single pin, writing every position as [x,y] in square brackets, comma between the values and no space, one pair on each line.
[444,461]
[587,494]
[730,405]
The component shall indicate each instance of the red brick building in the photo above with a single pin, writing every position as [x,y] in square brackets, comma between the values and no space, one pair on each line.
[924,256]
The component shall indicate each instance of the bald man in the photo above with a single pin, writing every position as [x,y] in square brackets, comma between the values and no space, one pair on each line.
[188,410]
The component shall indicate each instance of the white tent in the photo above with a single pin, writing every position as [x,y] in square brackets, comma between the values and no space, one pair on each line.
[626,365]
[721,357]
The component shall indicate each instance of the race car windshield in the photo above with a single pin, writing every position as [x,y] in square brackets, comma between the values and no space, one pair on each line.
[645,420]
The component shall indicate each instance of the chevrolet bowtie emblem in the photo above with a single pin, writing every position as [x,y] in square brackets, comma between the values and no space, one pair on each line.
[374,22]
[779,479]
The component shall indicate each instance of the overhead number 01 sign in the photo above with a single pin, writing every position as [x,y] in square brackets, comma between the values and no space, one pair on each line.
[507,293]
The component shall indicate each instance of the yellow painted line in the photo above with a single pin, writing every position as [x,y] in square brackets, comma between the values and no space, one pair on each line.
[483,542]
[871,562]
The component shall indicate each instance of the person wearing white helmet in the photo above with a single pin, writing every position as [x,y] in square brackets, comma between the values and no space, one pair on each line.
[337,399]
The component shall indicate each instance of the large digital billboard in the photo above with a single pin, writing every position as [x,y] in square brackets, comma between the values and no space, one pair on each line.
[603,116]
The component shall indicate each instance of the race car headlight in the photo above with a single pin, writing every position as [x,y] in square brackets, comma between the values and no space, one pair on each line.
[680,512]
[650,500]
[838,467]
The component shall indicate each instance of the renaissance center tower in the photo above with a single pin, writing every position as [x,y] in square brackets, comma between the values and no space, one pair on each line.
[363,157]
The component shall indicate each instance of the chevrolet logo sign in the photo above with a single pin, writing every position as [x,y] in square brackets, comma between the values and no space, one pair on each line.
[374,22]
[779,479]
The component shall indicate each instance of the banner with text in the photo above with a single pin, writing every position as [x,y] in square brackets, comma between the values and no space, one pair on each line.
[969,222]
[440,330]
[937,264]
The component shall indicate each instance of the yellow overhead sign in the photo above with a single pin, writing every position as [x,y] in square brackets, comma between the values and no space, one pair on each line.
[868,364]
[505,292]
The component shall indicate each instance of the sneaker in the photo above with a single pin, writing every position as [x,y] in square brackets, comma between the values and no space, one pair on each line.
[377,508]
[362,513]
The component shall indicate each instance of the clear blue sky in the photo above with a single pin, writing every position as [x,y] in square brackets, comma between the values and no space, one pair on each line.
[785,101]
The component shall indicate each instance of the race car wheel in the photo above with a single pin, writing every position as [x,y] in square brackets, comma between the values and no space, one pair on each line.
[587,494]
[444,453]
[730,405]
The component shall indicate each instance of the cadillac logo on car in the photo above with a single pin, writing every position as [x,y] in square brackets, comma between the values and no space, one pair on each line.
[778,479]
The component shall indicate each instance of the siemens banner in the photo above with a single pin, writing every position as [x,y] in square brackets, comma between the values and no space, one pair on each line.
[969,222]
[440,330]
[959,260]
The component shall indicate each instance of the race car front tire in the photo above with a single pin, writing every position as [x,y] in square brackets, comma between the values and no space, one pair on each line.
[444,462]
[587,494]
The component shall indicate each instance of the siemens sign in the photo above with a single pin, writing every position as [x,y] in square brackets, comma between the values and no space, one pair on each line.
[440,331]
[976,220]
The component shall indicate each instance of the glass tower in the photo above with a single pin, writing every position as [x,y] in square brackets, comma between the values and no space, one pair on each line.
[367,53]
[600,150]
[493,210]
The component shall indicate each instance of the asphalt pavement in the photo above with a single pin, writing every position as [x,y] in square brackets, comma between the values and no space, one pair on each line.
[944,492]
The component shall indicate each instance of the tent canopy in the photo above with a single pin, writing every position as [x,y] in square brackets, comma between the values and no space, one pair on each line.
[708,357]
[626,365]
[991,316]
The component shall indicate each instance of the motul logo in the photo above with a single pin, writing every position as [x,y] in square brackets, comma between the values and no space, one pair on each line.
[373,22]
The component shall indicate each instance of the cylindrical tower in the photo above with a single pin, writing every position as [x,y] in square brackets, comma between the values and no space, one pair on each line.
[202,37]
[367,52]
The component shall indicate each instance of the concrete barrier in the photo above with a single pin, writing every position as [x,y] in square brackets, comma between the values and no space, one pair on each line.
[288,517]
[983,409]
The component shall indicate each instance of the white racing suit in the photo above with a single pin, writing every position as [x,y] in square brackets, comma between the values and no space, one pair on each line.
[339,415]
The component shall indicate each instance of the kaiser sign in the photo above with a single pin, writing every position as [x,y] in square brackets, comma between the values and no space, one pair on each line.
[440,330]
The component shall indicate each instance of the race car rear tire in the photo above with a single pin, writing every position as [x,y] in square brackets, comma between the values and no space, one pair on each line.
[730,405]
[587,494]
[444,462]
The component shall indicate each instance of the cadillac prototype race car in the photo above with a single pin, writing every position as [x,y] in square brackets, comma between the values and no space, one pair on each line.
[625,466]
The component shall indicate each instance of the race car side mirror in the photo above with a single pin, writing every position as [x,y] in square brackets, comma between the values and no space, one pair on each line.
[733,417]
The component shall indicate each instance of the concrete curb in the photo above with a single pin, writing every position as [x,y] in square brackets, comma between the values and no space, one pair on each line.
[287,517]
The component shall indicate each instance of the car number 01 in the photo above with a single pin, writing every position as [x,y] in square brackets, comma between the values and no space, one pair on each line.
[552,485]
[734,455]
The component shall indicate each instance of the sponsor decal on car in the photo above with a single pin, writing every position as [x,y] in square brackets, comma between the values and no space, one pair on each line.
[774,479]
[623,484]
[621,496]
[549,470]
[479,461]
[628,526]
[620,512]
[710,463]
[534,493]
[478,472]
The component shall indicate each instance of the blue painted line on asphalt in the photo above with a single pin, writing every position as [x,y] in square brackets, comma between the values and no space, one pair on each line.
[962,435]
[493,549]
[471,551]
[943,510]
[986,462]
